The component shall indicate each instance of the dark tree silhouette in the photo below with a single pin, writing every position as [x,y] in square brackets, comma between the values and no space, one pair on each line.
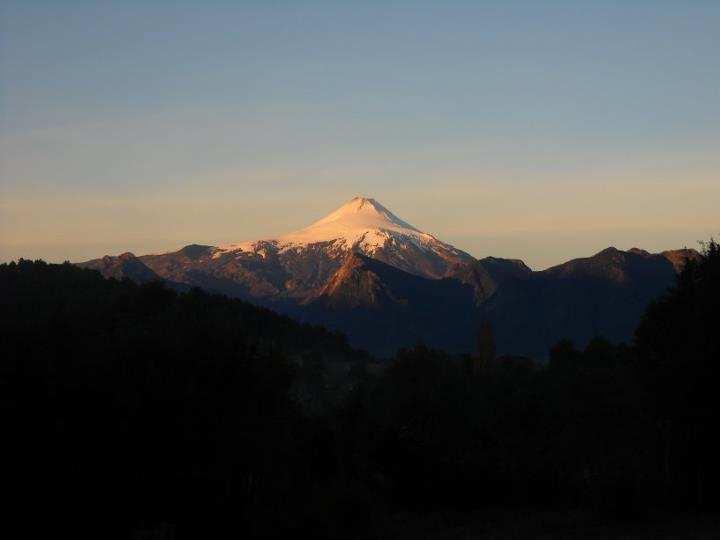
[678,344]
[132,411]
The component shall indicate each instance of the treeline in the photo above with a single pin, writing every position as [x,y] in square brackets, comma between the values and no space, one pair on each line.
[133,408]
[125,407]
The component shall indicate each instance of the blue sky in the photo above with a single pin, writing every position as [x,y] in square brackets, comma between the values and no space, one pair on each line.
[540,130]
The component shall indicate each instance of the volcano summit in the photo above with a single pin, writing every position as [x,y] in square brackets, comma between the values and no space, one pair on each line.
[365,226]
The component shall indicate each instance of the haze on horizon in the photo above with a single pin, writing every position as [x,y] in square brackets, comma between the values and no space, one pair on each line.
[534,130]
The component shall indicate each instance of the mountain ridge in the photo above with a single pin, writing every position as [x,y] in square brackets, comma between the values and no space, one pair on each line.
[361,267]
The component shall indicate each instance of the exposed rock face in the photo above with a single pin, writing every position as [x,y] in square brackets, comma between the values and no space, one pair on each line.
[382,308]
[125,266]
[357,284]
[678,257]
[486,275]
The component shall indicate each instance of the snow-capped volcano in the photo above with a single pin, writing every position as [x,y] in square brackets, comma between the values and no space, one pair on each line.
[363,270]
[359,221]
[366,226]
[296,266]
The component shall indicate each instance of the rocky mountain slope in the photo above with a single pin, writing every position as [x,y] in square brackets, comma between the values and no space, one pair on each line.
[296,266]
[121,267]
[367,272]
[382,308]
[602,295]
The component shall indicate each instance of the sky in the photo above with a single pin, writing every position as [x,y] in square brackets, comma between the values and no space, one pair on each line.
[540,130]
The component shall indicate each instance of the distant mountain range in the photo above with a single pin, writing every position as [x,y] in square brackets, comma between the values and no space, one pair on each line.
[385,283]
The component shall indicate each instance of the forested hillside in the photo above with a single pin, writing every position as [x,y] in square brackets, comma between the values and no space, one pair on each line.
[132,411]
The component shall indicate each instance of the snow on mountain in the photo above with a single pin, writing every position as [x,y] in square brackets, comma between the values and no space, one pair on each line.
[366,226]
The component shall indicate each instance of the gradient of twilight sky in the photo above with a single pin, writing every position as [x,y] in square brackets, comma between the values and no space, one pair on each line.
[542,130]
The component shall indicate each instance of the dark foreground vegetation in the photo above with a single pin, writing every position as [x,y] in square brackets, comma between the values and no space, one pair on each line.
[135,412]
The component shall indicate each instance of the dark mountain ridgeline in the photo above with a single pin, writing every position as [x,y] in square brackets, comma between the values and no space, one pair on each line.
[488,274]
[381,307]
[126,265]
[603,295]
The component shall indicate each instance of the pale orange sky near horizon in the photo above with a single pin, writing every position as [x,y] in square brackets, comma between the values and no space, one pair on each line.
[542,224]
